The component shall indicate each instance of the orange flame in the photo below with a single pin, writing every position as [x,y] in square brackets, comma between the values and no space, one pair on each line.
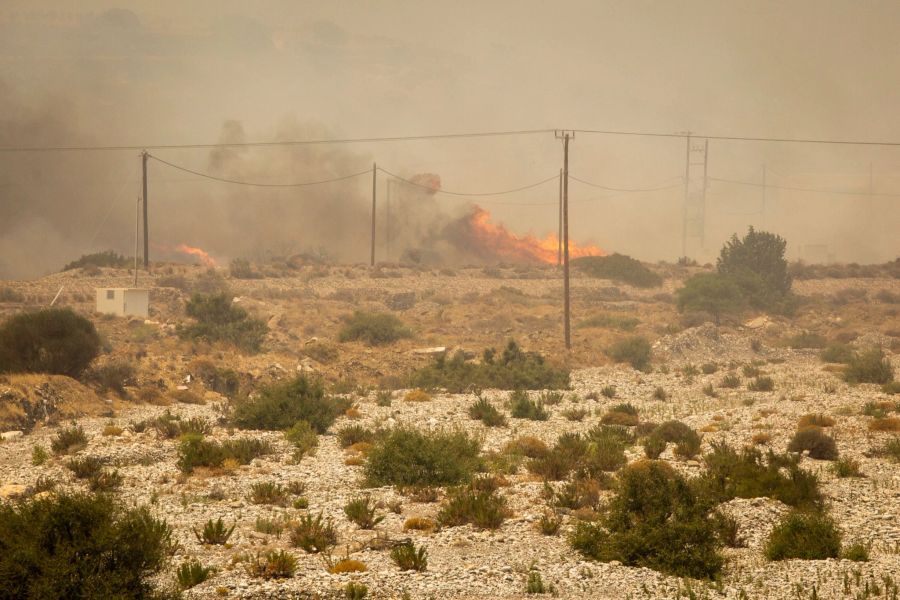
[489,239]
[205,259]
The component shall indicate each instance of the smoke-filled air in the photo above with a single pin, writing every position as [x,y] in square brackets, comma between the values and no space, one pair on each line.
[454,299]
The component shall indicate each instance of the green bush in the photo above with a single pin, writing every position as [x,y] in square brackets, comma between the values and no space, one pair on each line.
[819,444]
[479,505]
[191,573]
[408,457]
[761,384]
[354,434]
[869,366]
[374,329]
[712,293]
[7,294]
[606,321]
[303,437]
[485,412]
[757,264]
[655,520]
[313,534]
[69,440]
[214,532]
[85,467]
[837,353]
[858,552]
[267,492]
[746,474]
[275,564]
[634,350]
[522,407]
[52,340]
[618,267]
[240,268]
[600,450]
[807,339]
[409,558]
[219,320]
[513,369]
[730,381]
[362,512]
[804,535]
[113,376]
[80,546]
[107,258]
[687,441]
[195,451]
[279,406]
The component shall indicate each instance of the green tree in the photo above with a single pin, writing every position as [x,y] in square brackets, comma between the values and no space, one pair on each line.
[757,261]
[712,293]
[218,319]
[53,340]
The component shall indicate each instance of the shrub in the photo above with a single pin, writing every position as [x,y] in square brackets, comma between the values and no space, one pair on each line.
[408,457]
[374,329]
[219,320]
[355,434]
[654,446]
[858,552]
[266,492]
[214,532]
[113,376]
[837,353]
[409,558]
[106,258]
[686,440]
[731,474]
[512,369]
[606,321]
[655,520]
[280,405]
[885,424]
[240,268]
[191,573]
[758,265]
[609,391]
[268,526]
[815,420]
[483,508]
[53,340]
[485,412]
[417,395]
[619,267]
[522,407]
[634,350]
[80,546]
[534,584]
[710,293]
[303,437]
[891,449]
[355,591]
[38,456]
[846,467]
[420,524]
[891,388]
[621,414]
[731,381]
[85,467]
[313,534]
[549,524]
[813,440]
[362,512]
[761,384]
[869,366]
[805,535]
[660,394]
[104,480]
[709,368]
[275,564]
[347,565]
[807,339]
[195,451]
[575,414]
[69,440]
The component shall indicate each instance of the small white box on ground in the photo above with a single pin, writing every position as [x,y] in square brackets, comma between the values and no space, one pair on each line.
[123,302]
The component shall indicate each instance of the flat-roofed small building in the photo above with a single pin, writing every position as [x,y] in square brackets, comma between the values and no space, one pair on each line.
[124,302]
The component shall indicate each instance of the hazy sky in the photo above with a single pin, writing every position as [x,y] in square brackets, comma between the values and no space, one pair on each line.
[167,72]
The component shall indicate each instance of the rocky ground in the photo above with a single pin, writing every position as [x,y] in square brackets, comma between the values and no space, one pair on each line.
[473,310]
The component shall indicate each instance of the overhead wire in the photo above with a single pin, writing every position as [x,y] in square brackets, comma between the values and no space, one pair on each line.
[471,194]
[801,189]
[258,184]
[620,189]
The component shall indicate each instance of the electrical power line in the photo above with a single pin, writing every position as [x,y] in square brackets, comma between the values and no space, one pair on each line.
[618,189]
[399,138]
[477,134]
[257,184]
[802,189]
[440,191]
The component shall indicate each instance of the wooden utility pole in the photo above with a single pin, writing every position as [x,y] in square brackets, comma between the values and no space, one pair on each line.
[374,182]
[137,236]
[687,184]
[144,156]
[387,221]
[559,235]
[566,136]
